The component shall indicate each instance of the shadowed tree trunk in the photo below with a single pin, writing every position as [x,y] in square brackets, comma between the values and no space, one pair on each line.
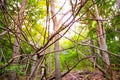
[56,46]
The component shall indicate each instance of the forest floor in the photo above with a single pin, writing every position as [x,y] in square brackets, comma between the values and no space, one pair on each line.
[88,75]
[79,75]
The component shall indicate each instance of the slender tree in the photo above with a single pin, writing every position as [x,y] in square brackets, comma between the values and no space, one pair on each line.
[18,27]
[102,42]
[56,46]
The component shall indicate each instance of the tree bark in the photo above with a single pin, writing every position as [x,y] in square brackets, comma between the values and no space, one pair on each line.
[102,43]
[34,63]
[56,46]
[36,67]
[93,59]
[18,22]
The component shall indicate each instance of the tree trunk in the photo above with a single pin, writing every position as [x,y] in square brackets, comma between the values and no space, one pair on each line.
[56,46]
[18,22]
[102,44]
[93,59]
[49,62]
[34,63]
[36,67]
[57,60]
[18,27]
